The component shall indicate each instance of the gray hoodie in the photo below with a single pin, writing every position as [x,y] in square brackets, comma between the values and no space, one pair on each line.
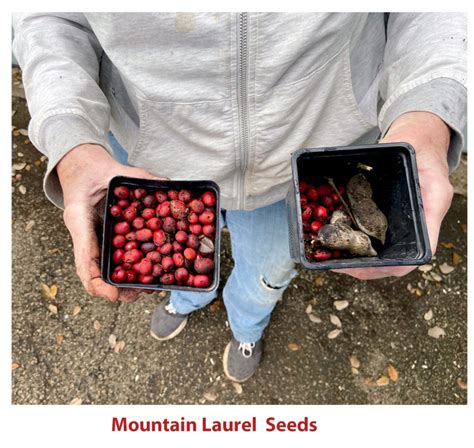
[229,96]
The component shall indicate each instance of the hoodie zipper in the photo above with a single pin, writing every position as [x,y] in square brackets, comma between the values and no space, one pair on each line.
[243,104]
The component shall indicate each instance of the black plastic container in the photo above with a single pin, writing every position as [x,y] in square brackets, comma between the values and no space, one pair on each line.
[131,182]
[396,191]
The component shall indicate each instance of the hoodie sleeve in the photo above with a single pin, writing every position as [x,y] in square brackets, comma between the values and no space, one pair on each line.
[425,69]
[60,57]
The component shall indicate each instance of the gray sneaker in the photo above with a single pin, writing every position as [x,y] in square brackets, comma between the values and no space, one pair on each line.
[241,359]
[166,323]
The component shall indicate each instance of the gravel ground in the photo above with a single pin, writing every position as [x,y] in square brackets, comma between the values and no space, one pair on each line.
[61,350]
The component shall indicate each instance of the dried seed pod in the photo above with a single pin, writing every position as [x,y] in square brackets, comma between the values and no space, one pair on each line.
[368,216]
[343,237]
[340,217]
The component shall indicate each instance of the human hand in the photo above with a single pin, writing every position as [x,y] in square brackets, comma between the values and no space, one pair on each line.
[84,174]
[429,136]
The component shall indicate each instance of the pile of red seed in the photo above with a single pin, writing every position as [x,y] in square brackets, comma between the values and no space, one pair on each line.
[163,236]
[317,205]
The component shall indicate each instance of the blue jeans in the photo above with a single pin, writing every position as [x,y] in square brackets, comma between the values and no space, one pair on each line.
[262,270]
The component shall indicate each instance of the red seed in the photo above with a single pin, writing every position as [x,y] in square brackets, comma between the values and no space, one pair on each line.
[139,193]
[208,198]
[116,211]
[207,217]
[130,213]
[132,256]
[146,266]
[164,209]
[166,249]
[131,245]
[122,228]
[138,223]
[335,198]
[157,270]
[118,276]
[131,236]
[185,195]
[315,226]
[159,237]
[161,196]
[178,260]
[154,256]
[131,276]
[181,274]
[169,225]
[201,281]
[121,192]
[173,194]
[193,218]
[189,254]
[322,254]
[148,213]
[302,186]
[144,235]
[327,201]
[190,280]
[181,236]
[193,242]
[147,247]
[123,203]
[196,206]
[145,279]
[324,190]
[209,229]
[117,256]
[119,241]
[167,279]
[203,265]
[196,229]
[177,247]
[154,223]
[312,194]
[136,268]
[320,213]
[336,254]
[307,213]
[178,209]
[167,263]
[150,201]
[303,200]
[182,225]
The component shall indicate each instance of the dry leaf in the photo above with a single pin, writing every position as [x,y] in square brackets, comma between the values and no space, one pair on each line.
[16,133]
[309,309]
[162,294]
[22,189]
[238,388]
[369,381]
[428,315]
[119,346]
[446,269]
[436,332]
[340,304]
[76,310]
[319,281]
[210,396]
[23,132]
[462,385]
[448,245]
[293,346]
[76,401]
[19,166]
[97,325]
[354,361]
[456,258]
[335,320]
[436,277]
[112,340]
[392,373]
[334,333]
[59,339]
[382,381]
[425,268]
[15,365]
[355,371]
[315,319]
[53,308]
[215,305]
[29,225]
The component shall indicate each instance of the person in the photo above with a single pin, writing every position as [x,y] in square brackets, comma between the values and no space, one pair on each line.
[228,97]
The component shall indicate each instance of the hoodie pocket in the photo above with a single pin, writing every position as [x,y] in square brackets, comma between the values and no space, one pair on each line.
[318,111]
[185,140]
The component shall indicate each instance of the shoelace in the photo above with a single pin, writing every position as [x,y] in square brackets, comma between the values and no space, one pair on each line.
[170,308]
[247,348]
